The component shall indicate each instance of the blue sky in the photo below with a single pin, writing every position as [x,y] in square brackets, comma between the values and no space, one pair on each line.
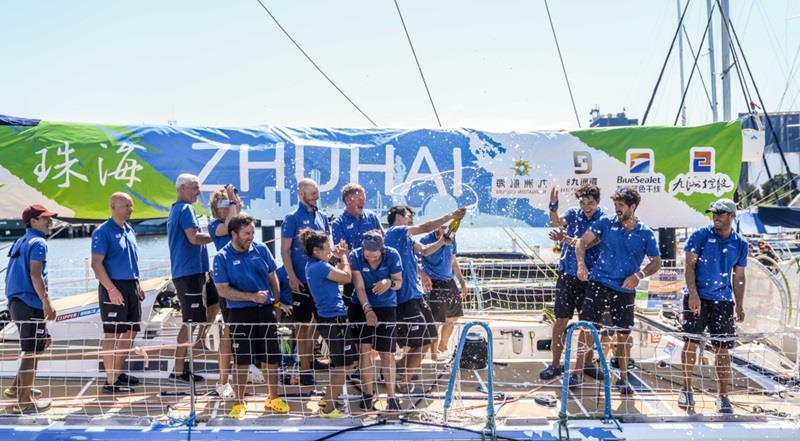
[490,65]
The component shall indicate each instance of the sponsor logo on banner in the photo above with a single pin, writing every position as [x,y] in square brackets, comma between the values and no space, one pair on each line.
[582,162]
[76,314]
[640,161]
[641,168]
[702,176]
[519,184]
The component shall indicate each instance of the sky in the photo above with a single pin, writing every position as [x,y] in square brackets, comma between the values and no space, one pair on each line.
[490,65]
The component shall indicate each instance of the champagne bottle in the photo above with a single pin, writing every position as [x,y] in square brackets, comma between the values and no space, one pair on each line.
[452,228]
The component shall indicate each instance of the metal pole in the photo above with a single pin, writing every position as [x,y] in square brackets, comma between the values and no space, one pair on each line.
[680,59]
[726,63]
[712,63]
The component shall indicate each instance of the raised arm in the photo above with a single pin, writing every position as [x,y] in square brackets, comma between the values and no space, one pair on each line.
[428,226]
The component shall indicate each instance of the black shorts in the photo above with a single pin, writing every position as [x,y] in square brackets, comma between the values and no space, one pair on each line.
[570,293]
[32,328]
[620,305]
[412,329]
[196,293]
[430,329]
[118,319]
[381,337]
[716,316]
[348,294]
[254,335]
[341,344]
[303,307]
[356,319]
[445,300]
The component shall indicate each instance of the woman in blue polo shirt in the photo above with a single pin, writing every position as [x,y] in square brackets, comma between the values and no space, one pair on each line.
[377,275]
[323,282]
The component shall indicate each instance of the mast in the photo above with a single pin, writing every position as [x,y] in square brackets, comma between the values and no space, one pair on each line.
[680,58]
[712,63]
[726,63]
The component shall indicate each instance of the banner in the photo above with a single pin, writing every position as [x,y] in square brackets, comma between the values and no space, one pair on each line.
[504,178]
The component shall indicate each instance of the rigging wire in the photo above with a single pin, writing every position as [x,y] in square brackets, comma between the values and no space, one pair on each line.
[731,29]
[666,60]
[563,66]
[702,81]
[313,63]
[694,67]
[416,60]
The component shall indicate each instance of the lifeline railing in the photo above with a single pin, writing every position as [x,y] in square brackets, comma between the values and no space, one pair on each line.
[490,416]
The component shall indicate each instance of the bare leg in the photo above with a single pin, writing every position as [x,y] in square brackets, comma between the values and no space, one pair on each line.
[225,354]
[305,346]
[240,381]
[367,369]
[723,367]
[271,375]
[180,351]
[688,360]
[413,361]
[447,331]
[337,381]
[387,363]
[124,344]
[26,373]
[623,353]
[557,346]
[585,352]
[109,363]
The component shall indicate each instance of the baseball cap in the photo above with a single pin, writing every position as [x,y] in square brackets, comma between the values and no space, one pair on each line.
[36,210]
[372,242]
[722,206]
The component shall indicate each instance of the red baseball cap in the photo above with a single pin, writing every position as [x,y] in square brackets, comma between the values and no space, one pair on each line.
[36,210]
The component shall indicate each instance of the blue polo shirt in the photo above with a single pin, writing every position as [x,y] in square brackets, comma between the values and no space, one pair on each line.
[185,259]
[295,221]
[397,238]
[621,252]
[577,224]
[439,265]
[327,298]
[351,230]
[390,264]
[31,246]
[245,271]
[286,289]
[219,241]
[716,258]
[117,245]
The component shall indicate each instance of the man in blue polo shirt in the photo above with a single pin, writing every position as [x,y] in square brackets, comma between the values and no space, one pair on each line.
[445,298]
[244,272]
[189,262]
[116,266]
[716,257]
[306,215]
[569,290]
[377,276]
[413,312]
[29,304]
[623,243]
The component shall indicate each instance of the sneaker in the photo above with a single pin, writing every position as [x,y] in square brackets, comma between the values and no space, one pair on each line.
[366,403]
[33,408]
[686,399]
[551,372]
[238,411]
[117,388]
[335,413]
[130,380]
[276,405]
[624,387]
[406,388]
[320,365]
[355,376]
[574,381]
[594,372]
[185,377]
[393,404]
[225,391]
[11,393]
[307,379]
[255,376]
[724,405]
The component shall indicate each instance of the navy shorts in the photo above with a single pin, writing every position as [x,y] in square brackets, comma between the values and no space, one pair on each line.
[570,293]
[716,316]
[620,305]
[119,319]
